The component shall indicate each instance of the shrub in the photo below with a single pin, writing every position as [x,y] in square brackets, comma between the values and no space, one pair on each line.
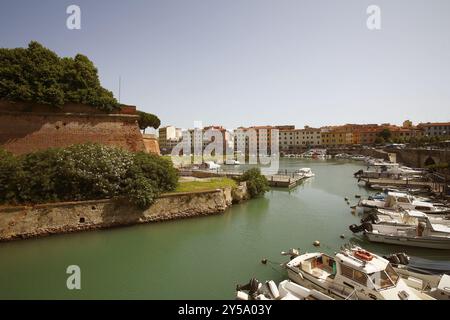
[9,174]
[37,74]
[257,184]
[85,172]
[157,169]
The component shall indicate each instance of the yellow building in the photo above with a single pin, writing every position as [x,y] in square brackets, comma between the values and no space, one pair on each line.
[335,138]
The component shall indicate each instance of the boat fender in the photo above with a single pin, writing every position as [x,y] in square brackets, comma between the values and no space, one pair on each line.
[240,295]
[273,289]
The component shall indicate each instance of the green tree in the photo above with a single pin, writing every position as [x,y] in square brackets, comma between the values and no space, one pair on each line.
[257,184]
[386,134]
[379,140]
[37,74]
[148,120]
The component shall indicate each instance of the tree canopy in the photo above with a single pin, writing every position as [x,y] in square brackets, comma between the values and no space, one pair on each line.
[37,74]
[386,134]
[148,120]
[257,183]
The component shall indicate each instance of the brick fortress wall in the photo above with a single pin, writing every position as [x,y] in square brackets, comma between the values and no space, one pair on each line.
[28,127]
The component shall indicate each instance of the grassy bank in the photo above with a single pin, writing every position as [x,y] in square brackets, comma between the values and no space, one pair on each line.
[205,184]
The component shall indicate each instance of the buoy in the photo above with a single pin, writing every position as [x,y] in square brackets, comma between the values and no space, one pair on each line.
[264,261]
[342,236]
[316,243]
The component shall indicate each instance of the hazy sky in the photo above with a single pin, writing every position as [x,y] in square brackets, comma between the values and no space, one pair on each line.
[252,62]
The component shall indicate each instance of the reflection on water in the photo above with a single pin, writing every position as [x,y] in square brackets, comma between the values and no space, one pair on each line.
[199,258]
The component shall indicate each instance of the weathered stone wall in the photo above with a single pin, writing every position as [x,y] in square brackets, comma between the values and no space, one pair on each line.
[40,220]
[419,158]
[28,128]
[151,144]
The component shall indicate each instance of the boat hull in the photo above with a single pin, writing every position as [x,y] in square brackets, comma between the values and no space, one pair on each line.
[432,243]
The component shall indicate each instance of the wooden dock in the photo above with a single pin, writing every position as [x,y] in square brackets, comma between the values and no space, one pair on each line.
[276,180]
[284,181]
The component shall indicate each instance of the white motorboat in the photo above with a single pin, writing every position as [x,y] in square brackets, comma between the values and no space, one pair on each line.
[436,285]
[305,172]
[403,217]
[342,156]
[399,200]
[359,158]
[232,162]
[211,165]
[377,169]
[420,233]
[286,290]
[352,273]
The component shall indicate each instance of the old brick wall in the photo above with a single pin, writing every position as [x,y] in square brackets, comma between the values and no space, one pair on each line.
[151,144]
[23,131]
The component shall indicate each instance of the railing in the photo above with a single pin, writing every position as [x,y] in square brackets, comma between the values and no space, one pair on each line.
[353,293]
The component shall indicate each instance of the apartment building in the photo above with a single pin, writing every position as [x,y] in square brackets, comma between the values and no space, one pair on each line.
[336,137]
[168,137]
[257,139]
[435,129]
[199,139]
[292,140]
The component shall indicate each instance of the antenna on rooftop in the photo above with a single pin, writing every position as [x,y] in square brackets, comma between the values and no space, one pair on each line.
[120,84]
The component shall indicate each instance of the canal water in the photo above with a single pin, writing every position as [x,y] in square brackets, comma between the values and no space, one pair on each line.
[198,258]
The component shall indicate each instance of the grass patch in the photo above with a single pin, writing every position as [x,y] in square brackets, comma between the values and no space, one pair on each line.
[210,184]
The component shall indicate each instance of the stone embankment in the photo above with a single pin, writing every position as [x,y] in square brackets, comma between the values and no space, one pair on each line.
[46,219]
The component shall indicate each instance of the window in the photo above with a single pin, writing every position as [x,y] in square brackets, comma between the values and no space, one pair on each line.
[403,200]
[354,275]
[392,274]
[346,271]
[381,280]
[360,277]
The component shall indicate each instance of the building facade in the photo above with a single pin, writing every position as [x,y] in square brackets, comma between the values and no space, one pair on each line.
[435,129]
[168,138]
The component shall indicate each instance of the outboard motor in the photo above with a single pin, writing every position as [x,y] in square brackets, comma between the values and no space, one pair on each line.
[366,226]
[358,173]
[398,258]
[371,217]
[252,287]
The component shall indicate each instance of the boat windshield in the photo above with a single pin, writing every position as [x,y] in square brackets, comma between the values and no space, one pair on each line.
[384,279]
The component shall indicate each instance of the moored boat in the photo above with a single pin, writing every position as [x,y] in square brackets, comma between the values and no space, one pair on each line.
[353,273]
[400,200]
[305,172]
[403,217]
[286,290]
[422,233]
[232,162]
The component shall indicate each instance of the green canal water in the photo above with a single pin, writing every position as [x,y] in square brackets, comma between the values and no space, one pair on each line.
[198,258]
